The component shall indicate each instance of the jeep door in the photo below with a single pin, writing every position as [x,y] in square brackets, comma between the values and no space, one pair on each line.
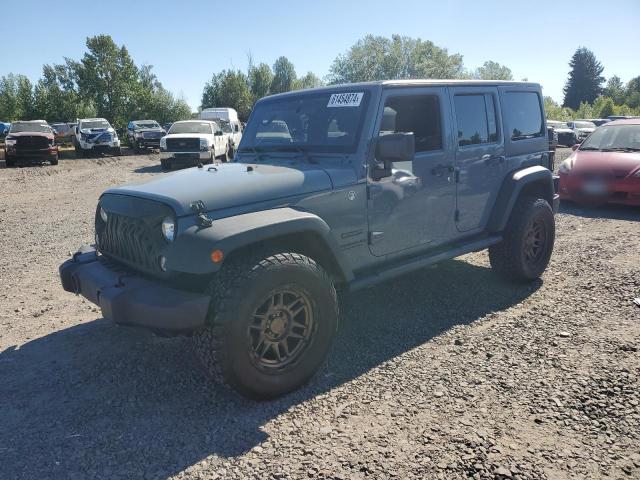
[413,207]
[480,155]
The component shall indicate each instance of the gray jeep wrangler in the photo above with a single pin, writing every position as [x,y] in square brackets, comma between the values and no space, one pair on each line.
[337,187]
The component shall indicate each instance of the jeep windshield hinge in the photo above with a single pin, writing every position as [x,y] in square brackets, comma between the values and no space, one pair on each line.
[201,211]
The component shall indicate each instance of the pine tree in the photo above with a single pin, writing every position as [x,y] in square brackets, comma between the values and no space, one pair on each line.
[585,79]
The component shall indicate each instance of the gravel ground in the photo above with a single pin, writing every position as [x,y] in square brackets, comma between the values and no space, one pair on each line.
[445,373]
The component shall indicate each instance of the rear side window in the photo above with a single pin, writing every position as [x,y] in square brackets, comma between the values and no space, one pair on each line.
[476,119]
[523,115]
[418,114]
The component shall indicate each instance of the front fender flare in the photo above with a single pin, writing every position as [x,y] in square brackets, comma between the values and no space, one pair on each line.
[536,176]
[191,251]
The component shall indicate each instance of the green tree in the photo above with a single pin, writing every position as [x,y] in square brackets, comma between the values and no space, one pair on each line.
[108,77]
[284,76]
[260,79]
[632,93]
[585,79]
[603,107]
[310,80]
[615,90]
[228,89]
[398,57]
[9,97]
[556,112]
[493,71]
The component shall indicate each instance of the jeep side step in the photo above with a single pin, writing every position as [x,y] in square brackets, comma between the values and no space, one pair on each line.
[416,263]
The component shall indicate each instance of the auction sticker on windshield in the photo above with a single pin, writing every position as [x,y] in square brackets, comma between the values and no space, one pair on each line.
[345,99]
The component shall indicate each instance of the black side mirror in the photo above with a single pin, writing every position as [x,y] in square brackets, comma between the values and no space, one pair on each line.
[391,148]
[396,147]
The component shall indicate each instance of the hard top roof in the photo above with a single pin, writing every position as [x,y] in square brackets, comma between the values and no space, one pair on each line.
[408,83]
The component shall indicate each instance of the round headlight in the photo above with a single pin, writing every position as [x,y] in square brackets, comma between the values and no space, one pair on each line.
[103,215]
[168,228]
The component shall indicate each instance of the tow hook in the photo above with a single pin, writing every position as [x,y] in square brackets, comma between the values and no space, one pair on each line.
[201,211]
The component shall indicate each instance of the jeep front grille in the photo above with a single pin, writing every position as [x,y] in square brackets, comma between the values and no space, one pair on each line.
[132,233]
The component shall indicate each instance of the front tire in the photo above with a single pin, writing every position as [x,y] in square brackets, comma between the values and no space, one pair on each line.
[271,325]
[54,160]
[525,251]
[10,162]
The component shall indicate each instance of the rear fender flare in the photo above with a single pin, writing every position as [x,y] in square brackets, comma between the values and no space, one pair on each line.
[536,179]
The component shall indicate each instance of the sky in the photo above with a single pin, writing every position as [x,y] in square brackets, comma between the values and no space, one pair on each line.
[187,41]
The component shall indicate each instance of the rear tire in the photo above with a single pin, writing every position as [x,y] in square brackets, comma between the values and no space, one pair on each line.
[271,324]
[525,251]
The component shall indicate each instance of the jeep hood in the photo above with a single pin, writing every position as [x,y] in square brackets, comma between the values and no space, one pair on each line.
[229,185]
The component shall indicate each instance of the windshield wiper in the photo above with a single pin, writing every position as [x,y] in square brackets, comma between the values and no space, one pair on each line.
[254,150]
[621,149]
[295,148]
[590,148]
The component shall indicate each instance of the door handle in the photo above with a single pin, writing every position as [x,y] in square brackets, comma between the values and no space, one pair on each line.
[491,160]
[440,170]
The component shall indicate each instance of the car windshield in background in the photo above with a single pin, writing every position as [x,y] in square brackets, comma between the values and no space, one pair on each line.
[226,127]
[614,138]
[191,127]
[558,124]
[98,124]
[327,122]
[29,127]
[146,125]
[584,124]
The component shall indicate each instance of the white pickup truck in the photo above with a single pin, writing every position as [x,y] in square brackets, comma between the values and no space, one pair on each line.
[95,135]
[191,142]
[229,122]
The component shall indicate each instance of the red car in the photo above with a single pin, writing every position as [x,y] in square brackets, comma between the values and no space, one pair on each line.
[30,140]
[605,168]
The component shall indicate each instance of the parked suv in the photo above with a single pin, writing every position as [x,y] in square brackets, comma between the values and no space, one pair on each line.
[357,184]
[192,142]
[566,135]
[582,129]
[96,135]
[144,134]
[32,140]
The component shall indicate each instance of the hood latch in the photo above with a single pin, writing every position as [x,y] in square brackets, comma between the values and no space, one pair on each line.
[201,211]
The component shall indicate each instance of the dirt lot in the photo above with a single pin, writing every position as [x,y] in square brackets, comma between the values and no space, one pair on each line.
[446,373]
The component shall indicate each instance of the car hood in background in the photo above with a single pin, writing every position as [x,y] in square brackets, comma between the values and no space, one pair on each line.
[32,134]
[618,164]
[229,185]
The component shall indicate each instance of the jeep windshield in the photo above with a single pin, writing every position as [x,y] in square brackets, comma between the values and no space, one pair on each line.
[324,122]
[29,127]
[96,124]
[190,127]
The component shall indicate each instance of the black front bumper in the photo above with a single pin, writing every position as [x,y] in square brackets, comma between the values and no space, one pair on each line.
[129,299]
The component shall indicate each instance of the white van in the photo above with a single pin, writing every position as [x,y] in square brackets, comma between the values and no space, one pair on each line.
[228,119]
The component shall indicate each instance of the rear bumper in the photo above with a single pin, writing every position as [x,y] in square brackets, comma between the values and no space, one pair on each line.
[129,299]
